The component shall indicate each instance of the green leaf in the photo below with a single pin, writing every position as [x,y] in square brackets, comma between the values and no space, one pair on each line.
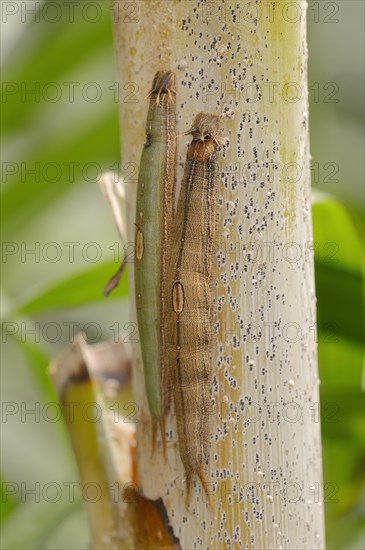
[337,244]
[338,271]
[79,289]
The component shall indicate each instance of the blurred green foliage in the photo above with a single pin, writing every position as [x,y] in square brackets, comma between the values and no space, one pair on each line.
[77,138]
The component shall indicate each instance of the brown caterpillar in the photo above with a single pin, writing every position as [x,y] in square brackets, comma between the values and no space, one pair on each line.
[191,270]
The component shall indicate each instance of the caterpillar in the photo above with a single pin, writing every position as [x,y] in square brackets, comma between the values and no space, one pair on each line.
[191,270]
[154,213]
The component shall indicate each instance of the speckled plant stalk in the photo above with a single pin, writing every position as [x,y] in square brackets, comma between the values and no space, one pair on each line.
[247,62]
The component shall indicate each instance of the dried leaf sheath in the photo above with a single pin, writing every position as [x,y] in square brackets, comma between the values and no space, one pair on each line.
[191,274]
[154,210]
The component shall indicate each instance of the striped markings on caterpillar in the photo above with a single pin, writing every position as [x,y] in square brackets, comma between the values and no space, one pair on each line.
[190,323]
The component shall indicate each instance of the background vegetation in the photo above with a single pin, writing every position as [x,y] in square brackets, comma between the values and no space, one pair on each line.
[55,142]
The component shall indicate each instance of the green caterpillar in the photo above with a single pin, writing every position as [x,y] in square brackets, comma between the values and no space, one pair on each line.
[154,213]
